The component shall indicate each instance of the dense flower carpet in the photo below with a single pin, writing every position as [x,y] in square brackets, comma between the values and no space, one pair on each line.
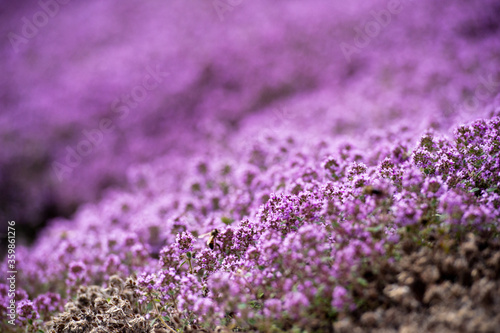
[234,166]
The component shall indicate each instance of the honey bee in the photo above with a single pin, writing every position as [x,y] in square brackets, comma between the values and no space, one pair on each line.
[370,190]
[211,240]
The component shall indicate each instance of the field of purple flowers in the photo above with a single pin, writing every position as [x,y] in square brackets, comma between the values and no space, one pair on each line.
[251,167]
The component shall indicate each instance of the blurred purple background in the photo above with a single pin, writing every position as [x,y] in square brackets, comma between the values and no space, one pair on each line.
[174,77]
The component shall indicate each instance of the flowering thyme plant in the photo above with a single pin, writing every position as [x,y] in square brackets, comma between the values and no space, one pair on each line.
[351,211]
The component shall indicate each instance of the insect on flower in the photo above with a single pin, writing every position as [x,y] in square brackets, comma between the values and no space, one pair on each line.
[370,190]
[211,240]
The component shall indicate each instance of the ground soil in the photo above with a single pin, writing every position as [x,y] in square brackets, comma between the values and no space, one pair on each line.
[447,285]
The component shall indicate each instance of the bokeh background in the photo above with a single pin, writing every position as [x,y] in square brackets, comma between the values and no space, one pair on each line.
[221,67]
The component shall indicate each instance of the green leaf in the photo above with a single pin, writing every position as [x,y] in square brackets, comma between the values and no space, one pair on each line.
[242,306]
[359,302]
[375,229]
[475,189]
[362,282]
[255,304]
[492,189]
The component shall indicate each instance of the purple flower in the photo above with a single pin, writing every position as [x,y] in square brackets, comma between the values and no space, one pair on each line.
[295,303]
[339,297]
[272,308]
[26,310]
[184,242]
[48,302]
